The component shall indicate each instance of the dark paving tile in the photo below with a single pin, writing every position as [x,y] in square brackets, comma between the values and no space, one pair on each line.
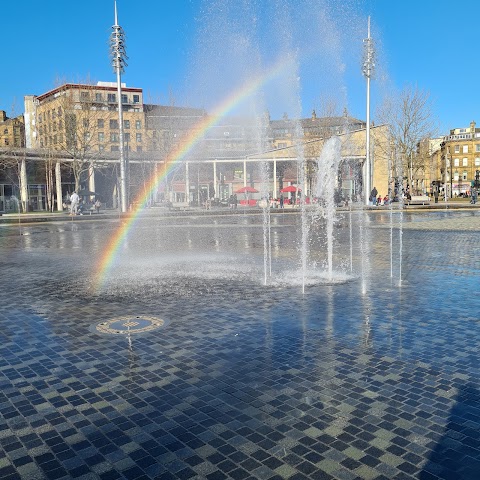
[341,382]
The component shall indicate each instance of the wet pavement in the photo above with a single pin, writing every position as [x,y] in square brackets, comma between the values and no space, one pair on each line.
[181,364]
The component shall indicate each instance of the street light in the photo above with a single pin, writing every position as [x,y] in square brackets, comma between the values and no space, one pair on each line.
[119,56]
[446,171]
[367,70]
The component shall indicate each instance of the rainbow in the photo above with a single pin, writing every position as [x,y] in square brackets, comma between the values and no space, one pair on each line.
[108,256]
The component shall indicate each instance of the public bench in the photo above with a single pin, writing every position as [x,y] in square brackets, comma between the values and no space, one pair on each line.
[418,200]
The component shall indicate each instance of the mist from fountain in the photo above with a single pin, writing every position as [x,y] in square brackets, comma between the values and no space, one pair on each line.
[238,41]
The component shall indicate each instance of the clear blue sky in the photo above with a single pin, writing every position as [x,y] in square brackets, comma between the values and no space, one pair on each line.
[192,52]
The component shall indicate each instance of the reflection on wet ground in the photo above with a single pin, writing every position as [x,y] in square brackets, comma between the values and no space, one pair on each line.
[374,378]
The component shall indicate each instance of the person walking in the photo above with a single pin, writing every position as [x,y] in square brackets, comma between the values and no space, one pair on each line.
[281,201]
[373,196]
[74,199]
[474,196]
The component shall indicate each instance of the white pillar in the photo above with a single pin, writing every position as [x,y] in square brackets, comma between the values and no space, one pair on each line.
[245,173]
[275,178]
[215,183]
[187,184]
[58,184]
[23,186]
[91,178]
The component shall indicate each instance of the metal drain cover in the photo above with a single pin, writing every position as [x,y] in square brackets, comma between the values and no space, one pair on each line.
[130,324]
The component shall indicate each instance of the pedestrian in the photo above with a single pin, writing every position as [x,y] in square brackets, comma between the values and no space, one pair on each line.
[474,196]
[235,201]
[373,196]
[74,199]
[98,204]
[281,201]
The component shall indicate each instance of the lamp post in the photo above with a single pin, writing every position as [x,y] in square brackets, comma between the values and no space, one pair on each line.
[446,172]
[119,56]
[367,70]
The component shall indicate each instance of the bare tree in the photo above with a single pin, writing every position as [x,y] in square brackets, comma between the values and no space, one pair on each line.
[410,121]
[80,127]
[13,168]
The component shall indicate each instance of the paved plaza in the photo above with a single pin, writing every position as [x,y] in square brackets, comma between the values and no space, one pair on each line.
[182,364]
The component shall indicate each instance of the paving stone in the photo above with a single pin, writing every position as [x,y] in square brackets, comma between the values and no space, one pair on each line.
[368,378]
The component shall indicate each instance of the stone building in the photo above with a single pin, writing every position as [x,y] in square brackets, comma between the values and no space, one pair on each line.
[72,137]
[12,131]
[459,159]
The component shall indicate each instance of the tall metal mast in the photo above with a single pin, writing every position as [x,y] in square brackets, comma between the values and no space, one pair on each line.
[119,57]
[367,70]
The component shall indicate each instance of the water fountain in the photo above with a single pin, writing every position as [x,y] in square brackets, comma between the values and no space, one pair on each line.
[309,37]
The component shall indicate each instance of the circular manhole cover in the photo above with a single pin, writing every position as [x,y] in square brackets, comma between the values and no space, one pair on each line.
[130,324]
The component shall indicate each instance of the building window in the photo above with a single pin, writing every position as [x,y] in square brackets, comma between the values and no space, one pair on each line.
[477,161]
[464,176]
[455,175]
[100,123]
[465,162]
[5,132]
[114,137]
[138,137]
[114,124]
[477,147]
[127,137]
[84,96]
[456,162]
[101,148]
[101,137]
[465,149]
[457,148]
[136,99]
[59,111]
[124,98]
[86,123]
[111,97]
[114,148]
[98,97]
[139,149]
[126,124]
[138,124]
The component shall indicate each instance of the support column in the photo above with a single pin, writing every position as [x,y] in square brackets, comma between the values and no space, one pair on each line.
[23,186]
[275,178]
[58,185]
[215,183]
[187,184]
[245,173]
[91,178]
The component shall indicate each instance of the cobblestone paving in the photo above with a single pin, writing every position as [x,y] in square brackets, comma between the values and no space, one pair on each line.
[375,378]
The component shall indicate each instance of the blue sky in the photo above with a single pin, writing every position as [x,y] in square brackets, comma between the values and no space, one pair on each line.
[196,52]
